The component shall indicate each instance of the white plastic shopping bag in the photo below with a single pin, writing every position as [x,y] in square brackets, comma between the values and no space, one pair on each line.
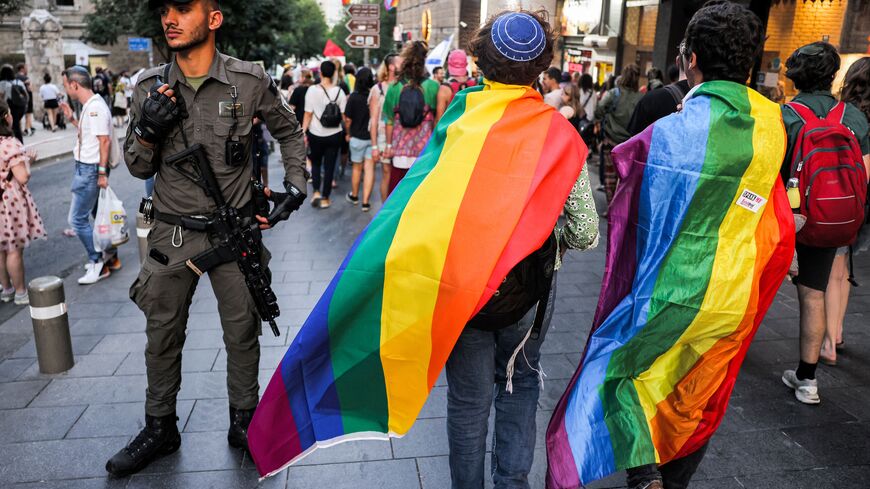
[110,226]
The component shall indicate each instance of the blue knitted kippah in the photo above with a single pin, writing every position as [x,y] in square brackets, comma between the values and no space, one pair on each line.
[518,36]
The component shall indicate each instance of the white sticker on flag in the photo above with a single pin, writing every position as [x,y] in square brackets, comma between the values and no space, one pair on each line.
[751,200]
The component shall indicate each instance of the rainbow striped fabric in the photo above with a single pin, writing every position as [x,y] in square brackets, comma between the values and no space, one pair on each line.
[485,193]
[701,236]
[390,4]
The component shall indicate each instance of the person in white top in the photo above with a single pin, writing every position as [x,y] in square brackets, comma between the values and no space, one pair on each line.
[49,95]
[552,79]
[323,131]
[91,154]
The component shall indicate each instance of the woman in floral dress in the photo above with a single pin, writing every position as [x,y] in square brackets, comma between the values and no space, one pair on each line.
[20,222]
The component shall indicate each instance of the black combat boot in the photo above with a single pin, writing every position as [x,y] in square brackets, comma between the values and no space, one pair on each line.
[159,437]
[240,419]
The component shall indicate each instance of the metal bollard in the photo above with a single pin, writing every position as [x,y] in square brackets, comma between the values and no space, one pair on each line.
[50,325]
[143,228]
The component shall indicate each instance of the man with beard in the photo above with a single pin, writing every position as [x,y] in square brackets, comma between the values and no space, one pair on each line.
[207,98]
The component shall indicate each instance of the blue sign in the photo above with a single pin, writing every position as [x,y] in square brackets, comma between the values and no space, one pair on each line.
[139,43]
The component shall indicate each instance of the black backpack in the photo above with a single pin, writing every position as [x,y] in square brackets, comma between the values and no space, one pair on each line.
[412,106]
[524,286]
[18,97]
[331,116]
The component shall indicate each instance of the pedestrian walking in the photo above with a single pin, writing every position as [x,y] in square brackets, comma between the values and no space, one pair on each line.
[655,79]
[119,104]
[224,92]
[49,93]
[457,67]
[387,76]
[358,130]
[614,112]
[812,69]
[571,105]
[409,112]
[297,96]
[656,104]
[91,154]
[438,74]
[14,92]
[20,222]
[553,87]
[103,85]
[21,75]
[324,106]
[856,91]
[677,306]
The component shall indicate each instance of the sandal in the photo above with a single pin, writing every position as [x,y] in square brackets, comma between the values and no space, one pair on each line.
[315,200]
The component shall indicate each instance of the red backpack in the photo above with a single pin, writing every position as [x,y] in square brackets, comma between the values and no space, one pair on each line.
[828,169]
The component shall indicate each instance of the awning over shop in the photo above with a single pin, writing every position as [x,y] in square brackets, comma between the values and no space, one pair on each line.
[71,47]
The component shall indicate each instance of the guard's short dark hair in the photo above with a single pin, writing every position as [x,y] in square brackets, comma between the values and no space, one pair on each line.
[813,67]
[727,39]
[497,68]
[79,75]
[327,69]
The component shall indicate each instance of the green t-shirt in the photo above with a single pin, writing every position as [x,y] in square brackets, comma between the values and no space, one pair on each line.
[196,82]
[821,102]
[430,96]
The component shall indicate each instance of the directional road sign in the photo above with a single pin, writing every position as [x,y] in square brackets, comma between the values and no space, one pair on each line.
[363,26]
[371,41]
[364,10]
[139,44]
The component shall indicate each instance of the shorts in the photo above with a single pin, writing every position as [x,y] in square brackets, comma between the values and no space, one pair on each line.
[814,266]
[51,104]
[360,150]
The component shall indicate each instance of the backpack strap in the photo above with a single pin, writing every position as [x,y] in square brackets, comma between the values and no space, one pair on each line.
[803,112]
[166,69]
[836,113]
[676,93]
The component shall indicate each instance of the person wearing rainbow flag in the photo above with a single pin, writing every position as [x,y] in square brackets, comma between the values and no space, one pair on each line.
[701,236]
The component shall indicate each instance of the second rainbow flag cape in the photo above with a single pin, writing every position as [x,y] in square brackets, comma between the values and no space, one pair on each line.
[485,193]
[701,236]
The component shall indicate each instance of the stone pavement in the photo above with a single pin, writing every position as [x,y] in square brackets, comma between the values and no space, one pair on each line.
[52,146]
[57,431]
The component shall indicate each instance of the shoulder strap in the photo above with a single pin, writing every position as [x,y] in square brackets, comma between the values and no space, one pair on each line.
[803,112]
[675,92]
[166,68]
[588,98]
[331,100]
[835,116]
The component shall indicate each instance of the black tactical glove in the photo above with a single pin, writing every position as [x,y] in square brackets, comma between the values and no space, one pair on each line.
[285,203]
[159,115]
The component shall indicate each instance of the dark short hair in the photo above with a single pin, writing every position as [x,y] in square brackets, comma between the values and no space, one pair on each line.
[813,67]
[327,69]
[554,73]
[20,66]
[673,73]
[586,81]
[349,69]
[365,80]
[7,73]
[727,38]
[437,69]
[46,78]
[497,68]
[79,75]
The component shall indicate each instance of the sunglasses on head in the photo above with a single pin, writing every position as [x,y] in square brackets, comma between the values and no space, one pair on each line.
[811,50]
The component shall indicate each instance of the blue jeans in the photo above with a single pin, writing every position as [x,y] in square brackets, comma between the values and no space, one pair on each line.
[476,375]
[84,198]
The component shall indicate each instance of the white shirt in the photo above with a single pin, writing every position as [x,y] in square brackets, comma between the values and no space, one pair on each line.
[128,86]
[48,91]
[96,120]
[554,99]
[316,101]
[588,100]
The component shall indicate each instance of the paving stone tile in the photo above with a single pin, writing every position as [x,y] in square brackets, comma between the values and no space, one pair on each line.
[748,414]
[557,366]
[121,419]
[92,326]
[208,320]
[853,400]
[436,404]
[427,438]
[98,310]
[81,345]
[292,288]
[15,395]
[434,472]
[11,369]
[221,479]
[616,480]
[92,390]
[127,342]
[553,390]
[559,342]
[199,452]
[97,483]
[203,339]
[811,478]
[57,459]
[386,474]
[203,385]
[835,443]
[772,352]
[754,452]
[722,483]
[352,451]
[270,357]
[37,424]
[208,415]
[131,312]
[191,361]
[94,365]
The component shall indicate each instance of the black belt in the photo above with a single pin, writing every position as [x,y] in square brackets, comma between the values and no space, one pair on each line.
[198,223]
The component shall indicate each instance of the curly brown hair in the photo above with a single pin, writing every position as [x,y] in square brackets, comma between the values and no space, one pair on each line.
[496,67]
[856,85]
[414,62]
[5,129]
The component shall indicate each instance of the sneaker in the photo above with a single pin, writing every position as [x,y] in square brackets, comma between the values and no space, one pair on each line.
[324,203]
[94,272]
[350,198]
[22,300]
[806,391]
[366,207]
[113,263]
[7,295]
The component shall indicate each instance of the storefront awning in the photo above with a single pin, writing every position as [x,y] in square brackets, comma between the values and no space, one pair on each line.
[72,47]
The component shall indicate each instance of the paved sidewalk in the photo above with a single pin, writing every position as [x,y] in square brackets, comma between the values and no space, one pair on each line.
[58,431]
[52,146]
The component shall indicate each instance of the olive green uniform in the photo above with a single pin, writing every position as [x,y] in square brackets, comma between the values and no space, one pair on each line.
[164,292]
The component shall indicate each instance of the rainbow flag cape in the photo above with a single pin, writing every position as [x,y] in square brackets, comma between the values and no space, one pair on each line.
[485,193]
[390,4]
[701,236]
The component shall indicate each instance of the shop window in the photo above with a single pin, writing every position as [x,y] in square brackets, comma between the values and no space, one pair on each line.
[65,3]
